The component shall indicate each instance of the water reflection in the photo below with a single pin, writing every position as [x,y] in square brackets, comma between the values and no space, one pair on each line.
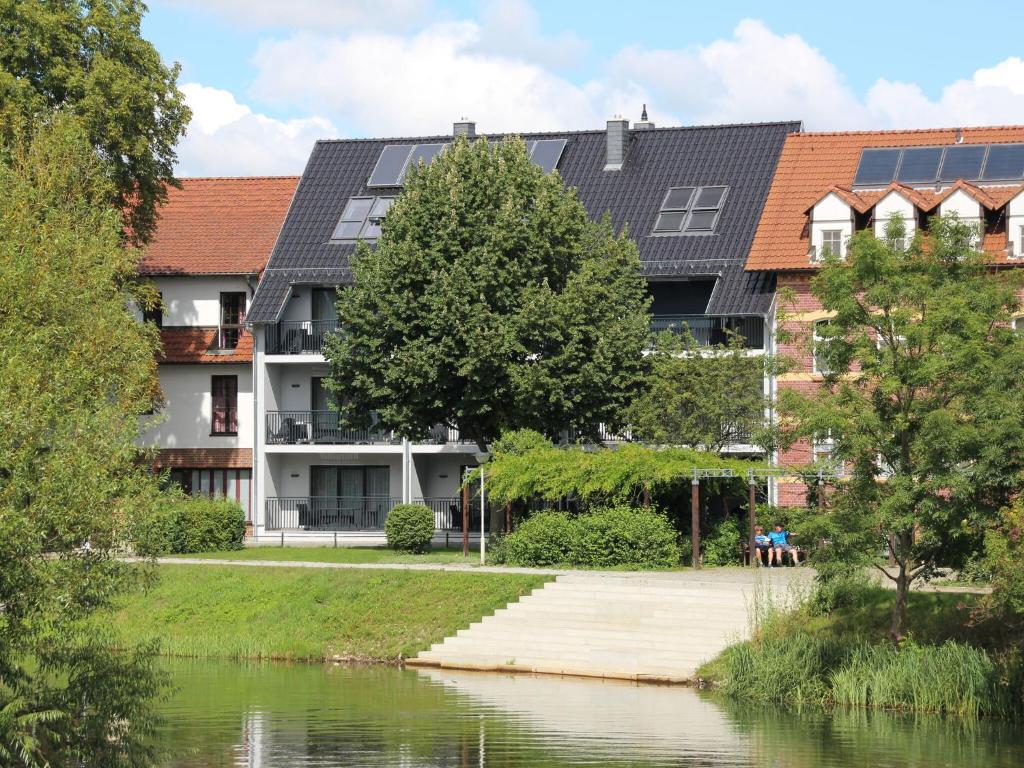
[264,716]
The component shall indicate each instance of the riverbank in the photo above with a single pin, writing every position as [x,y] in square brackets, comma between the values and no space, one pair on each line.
[953,663]
[215,611]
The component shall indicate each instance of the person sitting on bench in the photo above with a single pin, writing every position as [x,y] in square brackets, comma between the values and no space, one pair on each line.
[781,545]
[763,547]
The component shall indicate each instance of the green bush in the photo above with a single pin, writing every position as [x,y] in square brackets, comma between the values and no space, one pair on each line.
[546,538]
[410,527]
[722,544]
[616,536]
[187,524]
[839,586]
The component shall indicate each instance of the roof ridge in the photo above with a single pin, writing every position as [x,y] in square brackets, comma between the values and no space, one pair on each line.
[903,131]
[283,177]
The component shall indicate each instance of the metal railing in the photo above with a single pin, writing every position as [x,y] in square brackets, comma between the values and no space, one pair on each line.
[711,331]
[328,513]
[319,428]
[362,513]
[298,337]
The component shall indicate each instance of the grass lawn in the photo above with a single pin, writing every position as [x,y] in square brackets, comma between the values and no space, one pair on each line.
[299,613]
[341,555]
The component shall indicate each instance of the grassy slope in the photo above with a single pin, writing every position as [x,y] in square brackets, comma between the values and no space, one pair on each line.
[340,555]
[298,613]
[933,617]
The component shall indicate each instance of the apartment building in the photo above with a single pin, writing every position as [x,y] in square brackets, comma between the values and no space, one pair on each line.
[829,185]
[691,197]
[212,241]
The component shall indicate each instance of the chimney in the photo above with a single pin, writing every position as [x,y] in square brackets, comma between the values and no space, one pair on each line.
[643,124]
[464,127]
[617,135]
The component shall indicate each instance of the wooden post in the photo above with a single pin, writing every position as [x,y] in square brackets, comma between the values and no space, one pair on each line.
[465,521]
[821,491]
[695,519]
[508,517]
[751,519]
[646,497]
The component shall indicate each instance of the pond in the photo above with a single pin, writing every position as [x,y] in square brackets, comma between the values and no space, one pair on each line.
[269,715]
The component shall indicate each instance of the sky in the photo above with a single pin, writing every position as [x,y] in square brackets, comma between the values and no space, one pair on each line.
[267,78]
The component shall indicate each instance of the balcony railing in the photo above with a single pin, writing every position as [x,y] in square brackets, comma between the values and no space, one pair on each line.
[361,513]
[711,331]
[319,428]
[299,337]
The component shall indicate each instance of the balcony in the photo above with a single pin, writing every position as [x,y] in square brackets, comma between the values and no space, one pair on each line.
[299,337]
[322,428]
[712,331]
[361,513]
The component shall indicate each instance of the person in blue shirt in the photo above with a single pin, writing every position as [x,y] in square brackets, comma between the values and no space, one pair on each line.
[763,547]
[780,544]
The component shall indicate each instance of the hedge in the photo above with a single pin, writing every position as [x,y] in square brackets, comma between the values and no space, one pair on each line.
[186,524]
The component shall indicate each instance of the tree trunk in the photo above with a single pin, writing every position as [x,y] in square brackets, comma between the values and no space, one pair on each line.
[899,608]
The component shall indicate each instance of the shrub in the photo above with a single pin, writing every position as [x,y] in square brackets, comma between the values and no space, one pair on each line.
[187,524]
[410,527]
[722,544]
[839,586]
[546,538]
[616,536]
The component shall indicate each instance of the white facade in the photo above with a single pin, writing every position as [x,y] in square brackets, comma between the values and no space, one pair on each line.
[1015,227]
[195,301]
[831,226]
[187,415]
[891,206]
[966,208]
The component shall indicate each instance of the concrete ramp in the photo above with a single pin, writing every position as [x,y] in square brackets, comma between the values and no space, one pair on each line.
[638,626]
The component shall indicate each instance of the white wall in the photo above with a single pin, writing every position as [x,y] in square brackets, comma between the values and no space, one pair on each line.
[187,413]
[291,472]
[196,300]
[891,205]
[439,474]
[293,385]
[831,213]
[1014,222]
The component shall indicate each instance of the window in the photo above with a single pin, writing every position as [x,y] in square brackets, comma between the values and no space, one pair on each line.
[1018,324]
[232,316]
[227,483]
[690,209]
[1018,252]
[362,218]
[831,242]
[823,446]
[224,390]
[155,314]
[820,348]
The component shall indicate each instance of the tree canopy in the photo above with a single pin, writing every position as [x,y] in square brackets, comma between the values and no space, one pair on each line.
[76,372]
[88,58]
[708,397]
[922,400]
[490,302]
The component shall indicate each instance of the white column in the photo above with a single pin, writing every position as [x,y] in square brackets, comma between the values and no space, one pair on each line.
[259,386]
[406,472]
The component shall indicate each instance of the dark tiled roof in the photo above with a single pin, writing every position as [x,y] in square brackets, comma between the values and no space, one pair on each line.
[740,156]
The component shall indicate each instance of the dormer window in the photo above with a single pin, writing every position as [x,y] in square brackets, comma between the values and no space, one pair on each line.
[688,210]
[361,219]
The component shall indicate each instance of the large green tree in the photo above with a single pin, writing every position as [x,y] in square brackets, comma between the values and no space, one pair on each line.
[707,397]
[491,302]
[89,58]
[76,372]
[923,400]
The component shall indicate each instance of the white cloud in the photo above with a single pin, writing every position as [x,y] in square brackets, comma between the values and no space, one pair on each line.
[388,84]
[314,14]
[755,75]
[226,138]
[511,28]
[992,96]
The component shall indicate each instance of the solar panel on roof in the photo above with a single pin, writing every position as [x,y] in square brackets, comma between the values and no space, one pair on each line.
[920,165]
[547,152]
[877,166]
[390,165]
[1005,162]
[424,152]
[963,162]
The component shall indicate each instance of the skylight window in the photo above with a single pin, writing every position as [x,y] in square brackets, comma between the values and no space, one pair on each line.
[361,219]
[690,209]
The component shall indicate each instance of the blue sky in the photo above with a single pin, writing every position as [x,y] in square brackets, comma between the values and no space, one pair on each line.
[266,78]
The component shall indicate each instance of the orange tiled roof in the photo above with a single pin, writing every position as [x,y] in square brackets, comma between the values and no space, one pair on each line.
[204,458]
[813,163]
[199,345]
[218,226]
